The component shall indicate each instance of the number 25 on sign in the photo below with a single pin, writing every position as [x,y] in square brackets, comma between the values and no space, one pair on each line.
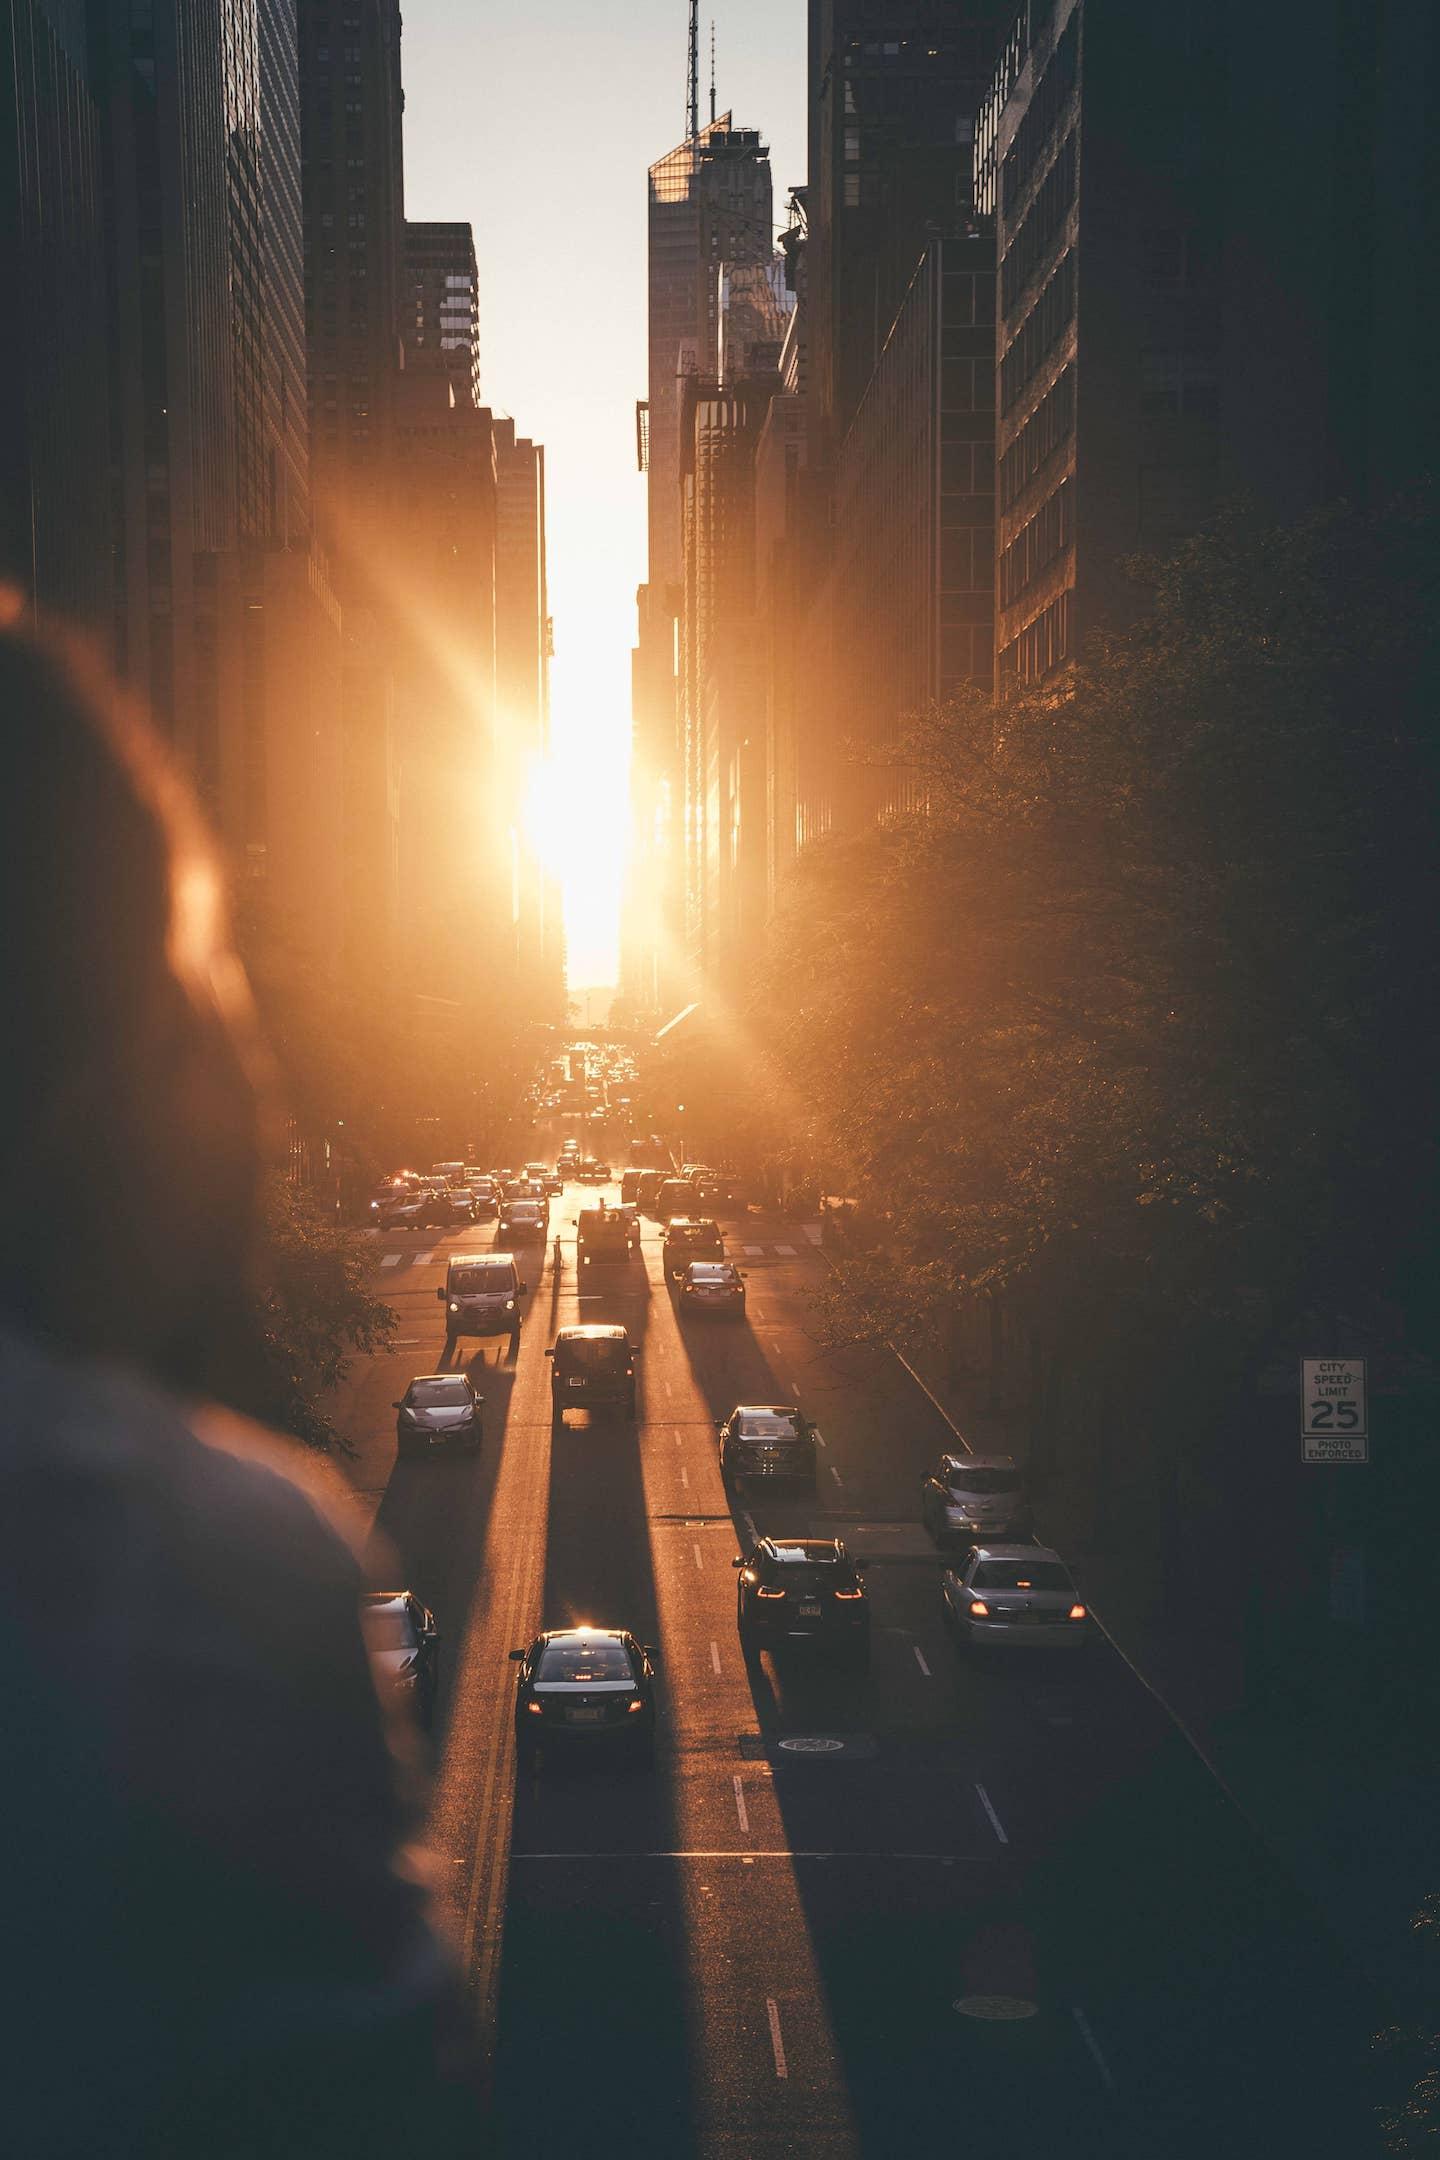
[1333,1423]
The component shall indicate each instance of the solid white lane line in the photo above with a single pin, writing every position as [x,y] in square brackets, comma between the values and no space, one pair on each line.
[392,1259]
[698,1561]
[995,1823]
[1107,2076]
[836,1475]
[715,1655]
[786,1252]
[684,1477]
[920,1660]
[776,2041]
[740,1806]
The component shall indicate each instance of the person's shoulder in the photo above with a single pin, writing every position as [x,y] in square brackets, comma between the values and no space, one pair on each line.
[113,1434]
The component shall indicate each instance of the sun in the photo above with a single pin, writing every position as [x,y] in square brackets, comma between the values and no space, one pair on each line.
[577,822]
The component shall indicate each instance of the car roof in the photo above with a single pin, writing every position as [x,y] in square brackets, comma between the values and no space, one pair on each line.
[765,1409]
[593,1331]
[794,1551]
[980,1462]
[416,1378]
[692,1222]
[581,1634]
[1018,1552]
[475,1259]
[384,1597]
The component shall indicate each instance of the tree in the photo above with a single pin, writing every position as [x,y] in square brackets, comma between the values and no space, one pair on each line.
[316,1309]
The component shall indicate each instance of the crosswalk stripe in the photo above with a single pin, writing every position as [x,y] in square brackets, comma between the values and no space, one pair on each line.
[813,1232]
[392,1259]
[786,1252]
[422,1257]
[754,1252]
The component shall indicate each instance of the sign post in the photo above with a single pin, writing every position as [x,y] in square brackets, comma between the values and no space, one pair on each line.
[1334,1418]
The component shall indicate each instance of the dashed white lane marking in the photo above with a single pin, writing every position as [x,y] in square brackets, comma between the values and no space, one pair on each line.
[836,1475]
[699,1562]
[740,1806]
[777,2042]
[995,1823]
[785,1252]
[715,1655]
[684,1477]
[1082,2023]
[794,1386]
[817,1436]
[753,1252]
[920,1660]
[392,1259]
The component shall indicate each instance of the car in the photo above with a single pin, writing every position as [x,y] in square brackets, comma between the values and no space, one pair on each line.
[587,1686]
[591,1171]
[970,1497]
[601,1233]
[773,1441]
[447,1172]
[438,1413]
[404,1646]
[481,1294]
[457,1205]
[524,1221]
[485,1199]
[647,1185]
[404,1214]
[673,1196]
[627,1213]
[592,1368]
[713,1286]
[691,1237]
[1014,1597]
[803,1590]
[630,1186]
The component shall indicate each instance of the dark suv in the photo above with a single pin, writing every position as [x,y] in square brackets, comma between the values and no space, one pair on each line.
[803,1590]
[767,1440]
[690,1237]
[594,1369]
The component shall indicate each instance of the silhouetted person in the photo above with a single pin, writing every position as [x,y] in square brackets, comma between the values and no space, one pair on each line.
[211,1944]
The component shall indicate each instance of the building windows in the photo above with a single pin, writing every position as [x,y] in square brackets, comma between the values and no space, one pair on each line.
[1039,333]
[1043,221]
[1179,383]
[1050,425]
[1052,94]
[1037,544]
[1043,644]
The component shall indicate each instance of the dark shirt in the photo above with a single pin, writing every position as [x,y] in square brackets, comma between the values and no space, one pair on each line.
[211,1943]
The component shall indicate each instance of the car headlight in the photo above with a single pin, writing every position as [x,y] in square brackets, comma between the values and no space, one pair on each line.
[454,1307]
[509,1304]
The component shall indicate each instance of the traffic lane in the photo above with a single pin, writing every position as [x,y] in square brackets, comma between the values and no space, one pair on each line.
[594,1970]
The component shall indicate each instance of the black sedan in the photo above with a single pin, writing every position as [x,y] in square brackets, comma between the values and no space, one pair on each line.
[587,1687]
[803,1590]
[404,1646]
[713,1286]
[438,1413]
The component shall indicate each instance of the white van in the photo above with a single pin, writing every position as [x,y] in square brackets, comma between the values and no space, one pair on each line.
[481,1296]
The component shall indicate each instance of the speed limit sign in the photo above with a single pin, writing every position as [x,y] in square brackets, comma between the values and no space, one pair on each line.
[1333,1418]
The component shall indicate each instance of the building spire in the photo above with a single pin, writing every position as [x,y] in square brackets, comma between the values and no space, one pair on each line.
[692,88]
[712,71]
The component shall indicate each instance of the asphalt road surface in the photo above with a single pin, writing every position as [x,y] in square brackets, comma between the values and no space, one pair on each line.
[951,1906]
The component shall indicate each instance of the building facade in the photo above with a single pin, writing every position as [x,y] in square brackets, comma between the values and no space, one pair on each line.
[440,304]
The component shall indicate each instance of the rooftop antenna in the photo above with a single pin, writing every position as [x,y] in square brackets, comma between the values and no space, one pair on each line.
[712,71]
[692,89]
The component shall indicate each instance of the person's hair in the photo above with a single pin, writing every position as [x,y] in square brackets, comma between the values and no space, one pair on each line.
[130,1137]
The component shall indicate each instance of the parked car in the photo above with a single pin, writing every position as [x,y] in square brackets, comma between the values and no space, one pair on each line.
[437,1414]
[1014,1597]
[586,1686]
[968,1498]
[713,1286]
[803,1590]
[772,1441]
[593,1368]
[404,1646]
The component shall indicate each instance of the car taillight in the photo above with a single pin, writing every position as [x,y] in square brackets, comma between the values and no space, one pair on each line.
[765,1591]
[535,1709]
[849,1593]
[634,1706]
[1077,1612]
[979,1610]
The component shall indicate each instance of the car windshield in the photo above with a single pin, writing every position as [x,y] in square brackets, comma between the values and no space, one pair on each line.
[585,1660]
[491,1275]
[694,1233]
[439,1395]
[768,1425]
[984,1481]
[808,1579]
[524,1210]
[594,1353]
[387,1627]
[1020,1575]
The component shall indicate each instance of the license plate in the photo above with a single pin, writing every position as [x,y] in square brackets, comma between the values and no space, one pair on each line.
[575,1383]
[584,1717]
[809,1612]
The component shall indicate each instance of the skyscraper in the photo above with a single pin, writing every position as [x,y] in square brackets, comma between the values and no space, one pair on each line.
[54,461]
[440,307]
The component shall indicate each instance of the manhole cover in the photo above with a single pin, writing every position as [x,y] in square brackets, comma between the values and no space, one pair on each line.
[813,1746]
[996,2009]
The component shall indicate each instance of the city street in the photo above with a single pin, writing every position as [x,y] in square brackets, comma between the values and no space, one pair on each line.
[946,1904]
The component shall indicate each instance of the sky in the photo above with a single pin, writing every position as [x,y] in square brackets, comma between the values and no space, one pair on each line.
[536,120]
